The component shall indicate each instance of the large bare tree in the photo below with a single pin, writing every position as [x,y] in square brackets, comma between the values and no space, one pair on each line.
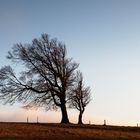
[80,96]
[46,76]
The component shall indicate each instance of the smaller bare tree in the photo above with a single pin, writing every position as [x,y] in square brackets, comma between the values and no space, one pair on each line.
[80,96]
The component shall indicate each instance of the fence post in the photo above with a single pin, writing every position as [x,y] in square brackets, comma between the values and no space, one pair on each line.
[104,122]
[89,122]
[27,120]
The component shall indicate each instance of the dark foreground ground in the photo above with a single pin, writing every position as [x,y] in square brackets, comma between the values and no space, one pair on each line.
[31,131]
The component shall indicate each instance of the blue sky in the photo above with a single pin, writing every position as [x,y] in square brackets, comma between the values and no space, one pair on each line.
[102,35]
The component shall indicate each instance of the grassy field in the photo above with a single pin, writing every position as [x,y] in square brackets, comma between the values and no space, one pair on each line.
[32,131]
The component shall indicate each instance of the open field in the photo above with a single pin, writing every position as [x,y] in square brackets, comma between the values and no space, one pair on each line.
[32,131]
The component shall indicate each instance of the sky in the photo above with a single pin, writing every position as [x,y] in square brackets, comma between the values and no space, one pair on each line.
[102,35]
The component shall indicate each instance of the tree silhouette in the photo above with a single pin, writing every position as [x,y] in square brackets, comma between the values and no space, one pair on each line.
[46,76]
[80,96]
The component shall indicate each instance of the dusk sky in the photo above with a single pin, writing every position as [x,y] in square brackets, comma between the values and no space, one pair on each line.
[102,35]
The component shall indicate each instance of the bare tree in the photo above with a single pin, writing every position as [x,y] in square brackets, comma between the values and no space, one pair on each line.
[46,78]
[80,96]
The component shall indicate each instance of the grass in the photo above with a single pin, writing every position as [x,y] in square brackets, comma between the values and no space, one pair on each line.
[40,131]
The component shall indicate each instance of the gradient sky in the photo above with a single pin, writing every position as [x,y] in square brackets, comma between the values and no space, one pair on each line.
[102,35]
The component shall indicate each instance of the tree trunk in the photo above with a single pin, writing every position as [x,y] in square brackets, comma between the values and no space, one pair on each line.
[80,118]
[64,114]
